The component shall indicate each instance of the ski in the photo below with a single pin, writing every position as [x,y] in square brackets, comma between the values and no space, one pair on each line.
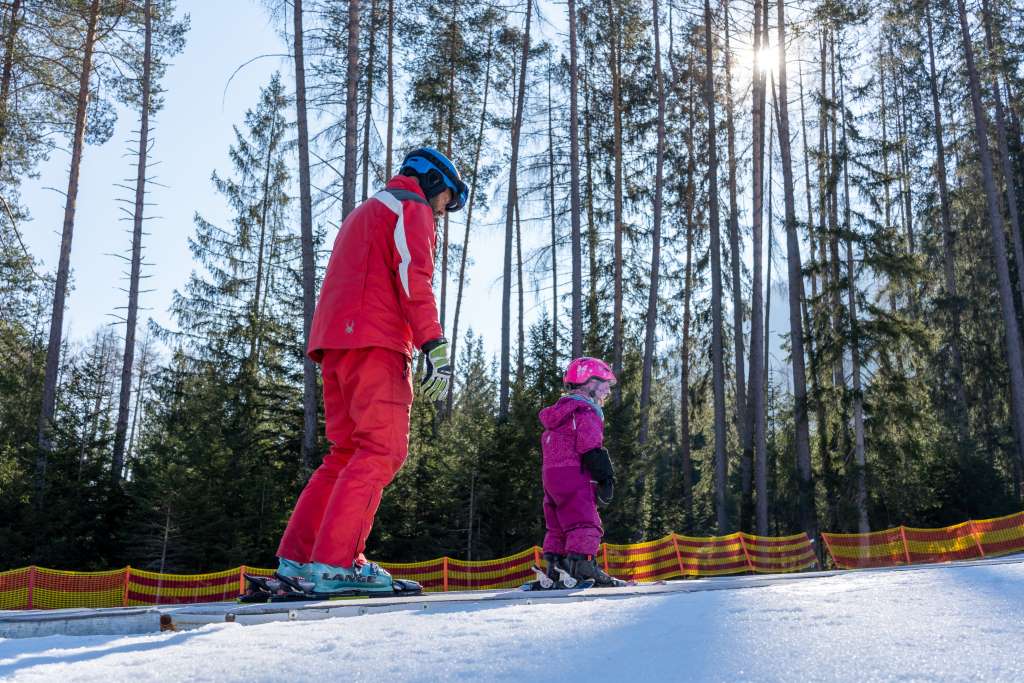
[401,588]
[278,588]
[557,586]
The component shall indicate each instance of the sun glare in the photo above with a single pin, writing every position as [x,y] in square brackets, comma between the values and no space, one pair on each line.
[767,59]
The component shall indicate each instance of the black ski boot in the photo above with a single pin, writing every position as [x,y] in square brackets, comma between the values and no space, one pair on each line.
[584,568]
[552,563]
[554,576]
[558,571]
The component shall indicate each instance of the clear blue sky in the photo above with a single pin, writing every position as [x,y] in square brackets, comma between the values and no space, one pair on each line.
[192,135]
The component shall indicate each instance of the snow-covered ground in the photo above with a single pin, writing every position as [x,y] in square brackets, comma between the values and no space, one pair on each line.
[948,623]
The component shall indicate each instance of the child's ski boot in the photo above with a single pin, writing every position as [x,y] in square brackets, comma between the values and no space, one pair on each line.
[556,576]
[584,568]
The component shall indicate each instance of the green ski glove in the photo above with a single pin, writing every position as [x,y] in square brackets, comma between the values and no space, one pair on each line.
[439,370]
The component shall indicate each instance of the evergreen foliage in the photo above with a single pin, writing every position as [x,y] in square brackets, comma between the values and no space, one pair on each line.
[902,322]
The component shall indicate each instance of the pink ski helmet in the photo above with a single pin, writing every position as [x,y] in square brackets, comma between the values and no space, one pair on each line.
[582,369]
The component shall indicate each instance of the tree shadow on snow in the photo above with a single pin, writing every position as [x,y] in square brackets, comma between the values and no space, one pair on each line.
[29,653]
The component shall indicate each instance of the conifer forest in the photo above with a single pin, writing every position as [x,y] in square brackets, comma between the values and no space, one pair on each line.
[661,175]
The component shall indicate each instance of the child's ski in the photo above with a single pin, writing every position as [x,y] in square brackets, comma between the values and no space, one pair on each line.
[565,581]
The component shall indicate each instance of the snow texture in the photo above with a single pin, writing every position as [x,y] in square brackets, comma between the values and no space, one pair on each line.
[946,623]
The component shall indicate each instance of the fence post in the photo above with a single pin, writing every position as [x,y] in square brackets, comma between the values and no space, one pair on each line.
[743,546]
[828,548]
[31,585]
[906,550]
[127,578]
[536,556]
[604,550]
[241,580]
[974,535]
[679,557]
[444,571]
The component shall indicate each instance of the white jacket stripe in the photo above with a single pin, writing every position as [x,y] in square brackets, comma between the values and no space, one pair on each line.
[401,243]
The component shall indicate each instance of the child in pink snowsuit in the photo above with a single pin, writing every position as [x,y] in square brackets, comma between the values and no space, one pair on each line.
[577,472]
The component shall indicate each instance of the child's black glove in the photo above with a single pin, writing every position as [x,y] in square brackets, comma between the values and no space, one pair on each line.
[599,464]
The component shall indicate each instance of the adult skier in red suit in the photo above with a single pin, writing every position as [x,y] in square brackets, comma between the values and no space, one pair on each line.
[376,305]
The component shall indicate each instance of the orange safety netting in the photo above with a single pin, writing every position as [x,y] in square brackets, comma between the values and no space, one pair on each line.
[676,555]
[668,557]
[974,539]
[152,588]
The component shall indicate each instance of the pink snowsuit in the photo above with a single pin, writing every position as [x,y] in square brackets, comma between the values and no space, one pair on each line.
[572,427]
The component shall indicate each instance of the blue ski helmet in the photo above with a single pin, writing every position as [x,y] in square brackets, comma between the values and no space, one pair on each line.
[436,174]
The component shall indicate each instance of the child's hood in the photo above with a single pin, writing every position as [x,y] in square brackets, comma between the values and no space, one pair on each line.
[554,416]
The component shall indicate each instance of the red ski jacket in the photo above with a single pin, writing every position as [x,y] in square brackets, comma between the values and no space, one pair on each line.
[377,290]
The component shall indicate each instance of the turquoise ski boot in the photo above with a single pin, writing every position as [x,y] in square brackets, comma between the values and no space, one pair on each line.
[367,579]
[297,570]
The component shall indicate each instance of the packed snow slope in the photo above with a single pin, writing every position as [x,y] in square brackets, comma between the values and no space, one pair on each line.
[944,623]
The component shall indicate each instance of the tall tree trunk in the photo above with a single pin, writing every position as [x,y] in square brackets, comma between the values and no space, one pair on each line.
[574,189]
[1005,160]
[688,194]
[310,399]
[838,370]
[995,219]
[614,18]
[761,423]
[389,145]
[453,100]
[815,311]
[717,361]
[807,179]
[128,358]
[684,398]
[903,159]
[824,183]
[348,190]
[593,339]
[824,324]
[142,372]
[802,441]
[652,300]
[469,209]
[838,365]
[520,291]
[256,315]
[886,178]
[141,375]
[756,416]
[808,194]
[860,458]
[368,112]
[513,198]
[8,73]
[53,348]
[742,427]
[554,222]
[684,376]
[948,250]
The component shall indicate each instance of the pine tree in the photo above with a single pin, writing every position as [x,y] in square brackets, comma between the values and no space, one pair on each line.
[239,347]
[159,27]
[97,21]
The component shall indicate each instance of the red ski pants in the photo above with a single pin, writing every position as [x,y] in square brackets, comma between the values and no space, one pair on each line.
[367,398]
